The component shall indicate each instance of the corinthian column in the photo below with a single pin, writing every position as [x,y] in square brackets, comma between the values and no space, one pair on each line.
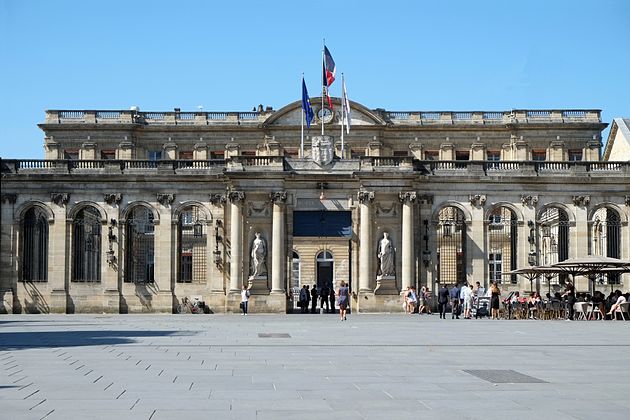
[277,241]
[407,199]
[236,240]
[365,238]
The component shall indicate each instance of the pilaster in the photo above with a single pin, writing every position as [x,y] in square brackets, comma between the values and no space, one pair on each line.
[236,240]
[277,242]
[365,241]
[407,260]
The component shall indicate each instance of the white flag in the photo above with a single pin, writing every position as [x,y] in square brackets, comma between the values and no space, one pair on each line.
[345,103]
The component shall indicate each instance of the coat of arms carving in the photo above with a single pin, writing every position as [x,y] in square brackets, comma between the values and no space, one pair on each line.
[322,150]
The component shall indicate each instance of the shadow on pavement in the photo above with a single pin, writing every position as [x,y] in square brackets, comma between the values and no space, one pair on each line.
[25,340]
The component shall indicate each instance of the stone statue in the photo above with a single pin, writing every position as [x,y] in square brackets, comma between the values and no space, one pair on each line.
[386,255]
[259,256]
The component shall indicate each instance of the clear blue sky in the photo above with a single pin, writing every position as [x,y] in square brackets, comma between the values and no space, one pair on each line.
[233,55]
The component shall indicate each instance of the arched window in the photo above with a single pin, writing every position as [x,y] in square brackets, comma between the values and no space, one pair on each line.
[502,244]
[140,246]
[606,238]
[553,235]
[86,246]
[192,240]
[35,246]
[451,246]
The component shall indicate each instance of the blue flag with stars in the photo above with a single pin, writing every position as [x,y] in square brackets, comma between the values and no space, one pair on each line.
[306,105]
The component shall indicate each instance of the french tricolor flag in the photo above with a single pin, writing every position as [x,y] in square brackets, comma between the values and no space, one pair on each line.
[328,73]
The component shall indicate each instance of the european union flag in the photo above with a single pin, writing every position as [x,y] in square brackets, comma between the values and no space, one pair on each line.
[306,105]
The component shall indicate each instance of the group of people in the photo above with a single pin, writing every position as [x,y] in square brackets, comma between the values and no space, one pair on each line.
[417,302]
[325,296]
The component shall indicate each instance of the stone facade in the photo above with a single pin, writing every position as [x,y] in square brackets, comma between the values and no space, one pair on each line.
[131,211]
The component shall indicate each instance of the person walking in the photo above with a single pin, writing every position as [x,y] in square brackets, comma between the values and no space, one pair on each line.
[443,295]
[343,300]
[244,299]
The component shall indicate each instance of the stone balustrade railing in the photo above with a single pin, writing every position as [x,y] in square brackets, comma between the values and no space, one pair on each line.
[394,117]
[279,163]
[153,118]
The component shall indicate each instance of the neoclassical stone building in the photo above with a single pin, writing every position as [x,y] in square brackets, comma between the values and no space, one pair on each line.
[130,211]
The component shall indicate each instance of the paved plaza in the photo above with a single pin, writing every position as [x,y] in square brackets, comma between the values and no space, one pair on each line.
[310,367]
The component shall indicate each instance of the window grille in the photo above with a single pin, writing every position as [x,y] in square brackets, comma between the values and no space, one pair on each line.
[451,246]
[502,243]
[553,233]
[606,240]
[192,244]
[35,246]
[86,246]
[140,246]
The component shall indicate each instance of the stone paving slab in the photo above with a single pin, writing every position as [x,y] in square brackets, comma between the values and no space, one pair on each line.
[369,367]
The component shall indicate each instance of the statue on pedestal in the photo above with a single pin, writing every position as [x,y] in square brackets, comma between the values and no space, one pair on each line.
[386,256]
[259,257]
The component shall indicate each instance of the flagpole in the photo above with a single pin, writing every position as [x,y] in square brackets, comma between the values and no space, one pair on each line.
[321,119]
[343,95]
[302,138]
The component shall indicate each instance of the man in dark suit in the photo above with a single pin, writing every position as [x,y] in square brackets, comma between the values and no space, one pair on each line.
[314,299]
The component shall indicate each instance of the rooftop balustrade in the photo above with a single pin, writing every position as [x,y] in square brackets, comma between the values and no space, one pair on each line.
[394,117]
[279,164]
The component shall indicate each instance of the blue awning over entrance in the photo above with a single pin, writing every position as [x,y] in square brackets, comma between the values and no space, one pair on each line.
[322,223]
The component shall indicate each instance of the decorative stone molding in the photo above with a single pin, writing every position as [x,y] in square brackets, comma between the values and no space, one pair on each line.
[407,196]
[382,211]
[257,209]
[581,200]
[278,197]
[529,200]
[236,196]
[60,199]
[112,199]
[217,199]
[165,199]
[627,200]
[477,200]
[365,197]
[9,198]
[425,199]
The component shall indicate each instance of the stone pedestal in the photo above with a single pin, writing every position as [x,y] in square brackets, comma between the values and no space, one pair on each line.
[257,285]
[386,285]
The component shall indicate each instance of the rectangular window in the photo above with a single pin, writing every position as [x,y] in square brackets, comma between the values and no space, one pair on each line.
[248,153]
[292,152]
[154,154]
[431,155]
[401,153]
[462,155]
[217,155]
[495,262]
[539,155]
[108,154]
[72,154]
[356,153]
[493,155]
[575,155]
[188,155]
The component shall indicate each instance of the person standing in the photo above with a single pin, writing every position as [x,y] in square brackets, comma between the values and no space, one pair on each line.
[455,301]
[314,299]
[494,300]
[331,298]
[467,294]
[304,299]
[244,299]
[443,295]
[323,297]
[344,299]
[569,294]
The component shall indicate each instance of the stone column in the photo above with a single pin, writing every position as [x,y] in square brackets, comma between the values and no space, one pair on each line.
[407,261]
[476,251]
[236,240]
[365,241]
[277,242]
[58,232]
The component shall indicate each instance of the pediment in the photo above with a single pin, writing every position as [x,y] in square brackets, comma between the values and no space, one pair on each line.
[291,115]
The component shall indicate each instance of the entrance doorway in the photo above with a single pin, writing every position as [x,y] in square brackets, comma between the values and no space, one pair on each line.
[325,267]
